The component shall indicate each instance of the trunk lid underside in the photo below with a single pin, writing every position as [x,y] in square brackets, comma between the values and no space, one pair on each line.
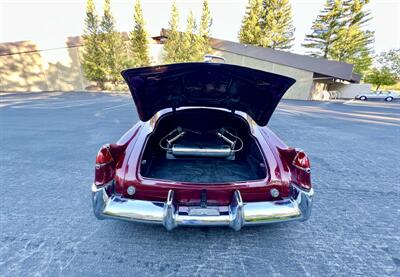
[231,87]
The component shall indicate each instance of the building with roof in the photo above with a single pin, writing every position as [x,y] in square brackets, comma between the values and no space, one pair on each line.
[33,66]
[316,78]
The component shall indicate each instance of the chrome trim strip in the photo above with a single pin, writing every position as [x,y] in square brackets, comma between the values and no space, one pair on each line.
[297,207]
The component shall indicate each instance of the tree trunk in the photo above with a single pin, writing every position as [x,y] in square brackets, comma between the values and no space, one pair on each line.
[326,50]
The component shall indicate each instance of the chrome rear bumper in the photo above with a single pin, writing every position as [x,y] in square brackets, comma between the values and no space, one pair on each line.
[236,215]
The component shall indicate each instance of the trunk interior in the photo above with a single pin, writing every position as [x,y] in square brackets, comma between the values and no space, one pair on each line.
[197,130]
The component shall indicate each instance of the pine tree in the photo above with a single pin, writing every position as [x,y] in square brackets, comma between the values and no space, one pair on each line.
[325,29]
[91,67]
[138,40]
[268,23]
[277,24]
[338,34]
[204,31]
[113,50]
[250,32]
[361,59]
[172,50]
[353,43]
[189,44]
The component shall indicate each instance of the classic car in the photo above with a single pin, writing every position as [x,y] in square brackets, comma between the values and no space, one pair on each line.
[382,95]
[202,154]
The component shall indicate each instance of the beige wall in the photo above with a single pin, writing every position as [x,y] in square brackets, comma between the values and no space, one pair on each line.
[349,91]
[326,90]
[304,79]
[27,69]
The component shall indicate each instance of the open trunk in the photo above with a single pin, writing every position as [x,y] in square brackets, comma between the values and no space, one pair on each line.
[202,146]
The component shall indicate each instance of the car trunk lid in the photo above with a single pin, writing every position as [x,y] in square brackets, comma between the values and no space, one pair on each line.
[227,86]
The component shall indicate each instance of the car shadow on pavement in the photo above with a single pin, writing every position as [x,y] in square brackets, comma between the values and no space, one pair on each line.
[184,233]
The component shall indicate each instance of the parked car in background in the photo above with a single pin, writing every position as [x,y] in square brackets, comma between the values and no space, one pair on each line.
[383,95]
[202,154]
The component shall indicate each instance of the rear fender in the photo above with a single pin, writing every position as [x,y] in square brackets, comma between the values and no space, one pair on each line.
[105,171]
[297,161]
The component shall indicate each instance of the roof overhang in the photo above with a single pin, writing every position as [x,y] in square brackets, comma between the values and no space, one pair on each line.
[334,69]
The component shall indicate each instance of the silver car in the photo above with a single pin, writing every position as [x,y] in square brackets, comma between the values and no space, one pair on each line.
[385,95]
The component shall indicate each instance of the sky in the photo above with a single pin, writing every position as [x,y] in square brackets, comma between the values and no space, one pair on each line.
[49,22]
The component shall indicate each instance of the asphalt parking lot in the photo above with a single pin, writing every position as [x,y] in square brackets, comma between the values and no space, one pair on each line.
[48,145]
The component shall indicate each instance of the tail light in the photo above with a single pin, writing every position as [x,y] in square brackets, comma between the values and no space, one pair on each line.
[301,170]
[104,156]
[110,157]
[301,161]
[105,164]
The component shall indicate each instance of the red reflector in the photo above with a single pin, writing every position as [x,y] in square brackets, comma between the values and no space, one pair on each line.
[301,161]
[104,155]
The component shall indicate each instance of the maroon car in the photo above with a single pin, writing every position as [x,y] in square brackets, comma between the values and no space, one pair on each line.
[202,154]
